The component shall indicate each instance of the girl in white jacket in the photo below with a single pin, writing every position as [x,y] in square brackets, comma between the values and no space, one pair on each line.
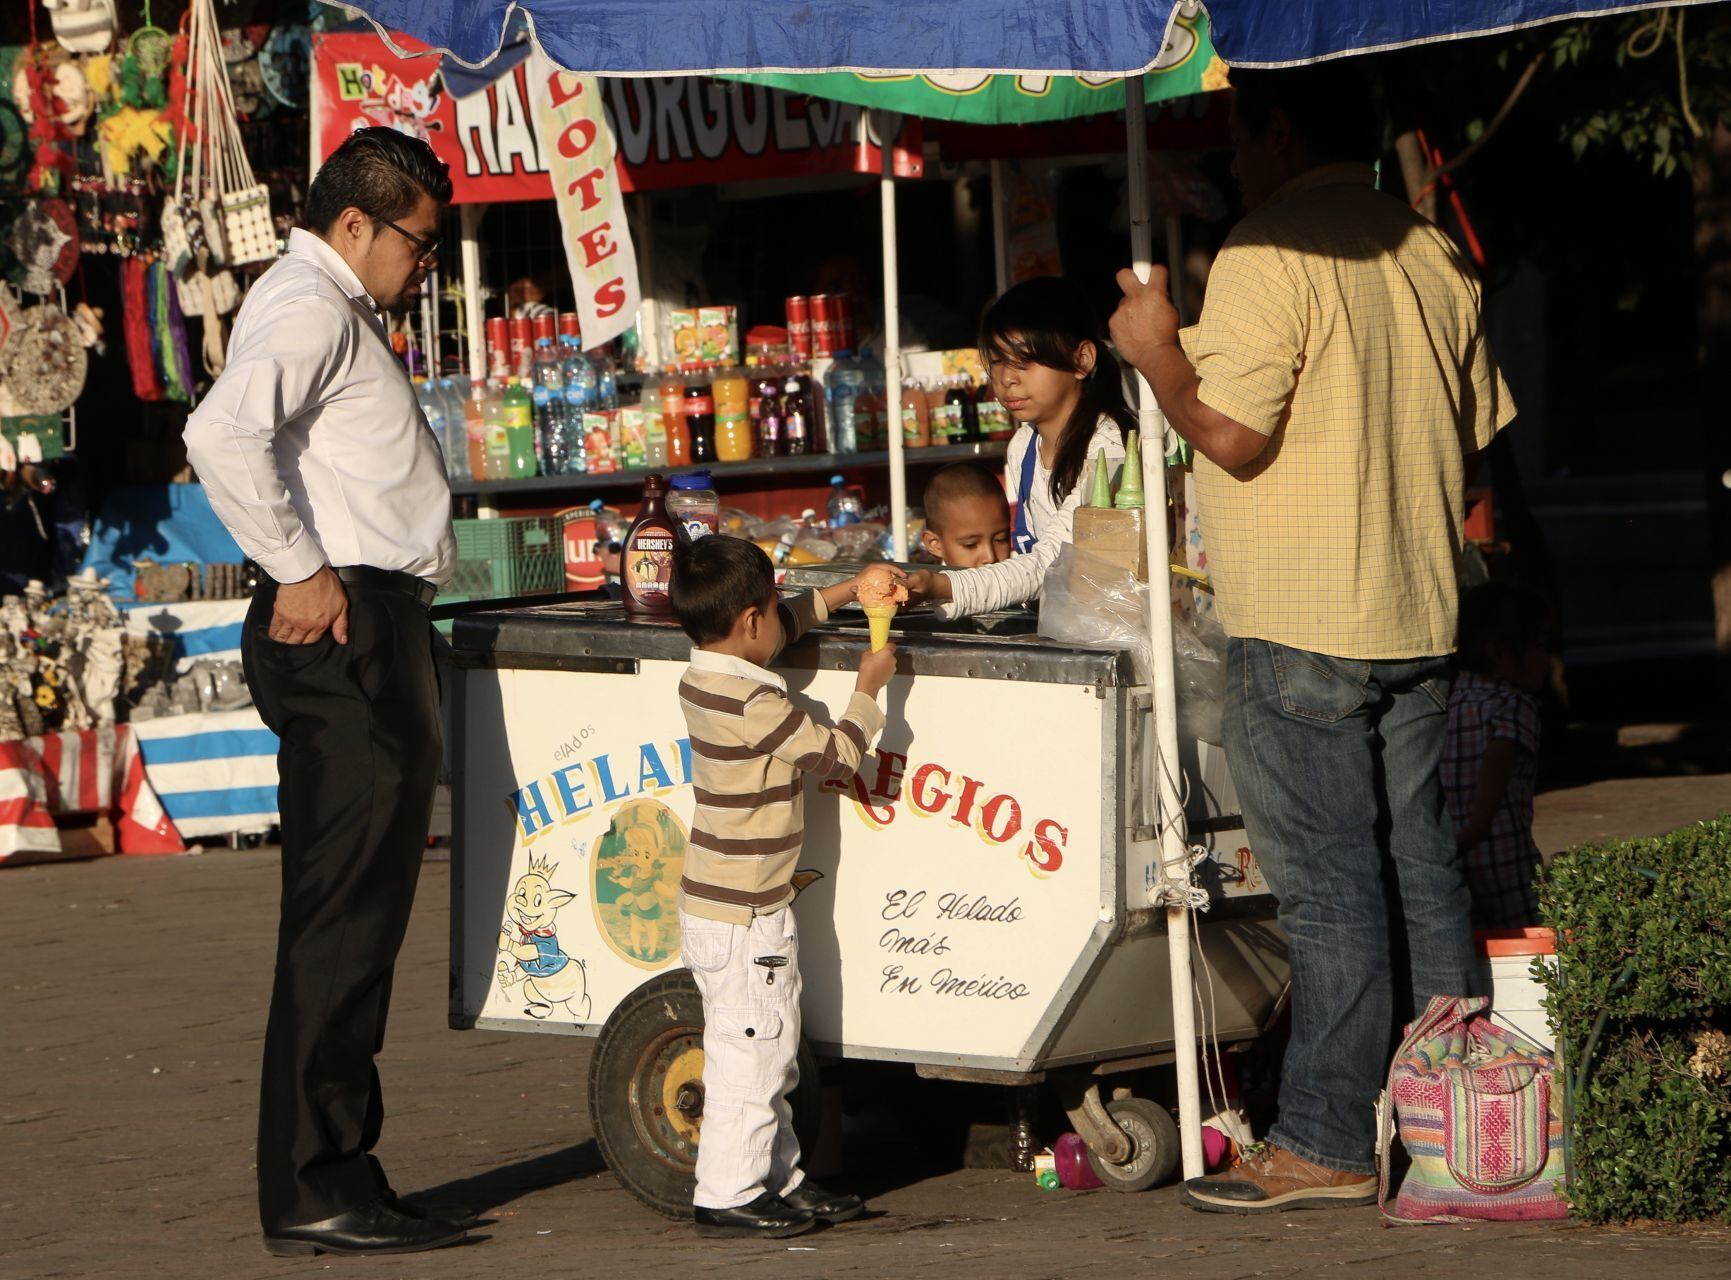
[1050,368]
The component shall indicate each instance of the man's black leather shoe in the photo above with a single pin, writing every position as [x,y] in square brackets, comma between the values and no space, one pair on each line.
[374,1229]
[768,1217]
[825,1206]
[428,1213]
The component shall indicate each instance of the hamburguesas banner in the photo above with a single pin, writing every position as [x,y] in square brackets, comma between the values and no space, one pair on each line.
[671,131]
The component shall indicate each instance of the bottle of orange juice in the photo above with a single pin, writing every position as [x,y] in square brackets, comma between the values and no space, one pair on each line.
[673,419]
[733,434]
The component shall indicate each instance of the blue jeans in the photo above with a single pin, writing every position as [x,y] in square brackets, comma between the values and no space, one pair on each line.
[1336,762]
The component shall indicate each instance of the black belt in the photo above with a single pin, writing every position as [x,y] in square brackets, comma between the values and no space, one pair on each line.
[361,575]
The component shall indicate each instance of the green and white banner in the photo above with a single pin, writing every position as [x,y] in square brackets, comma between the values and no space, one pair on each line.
[1187,65]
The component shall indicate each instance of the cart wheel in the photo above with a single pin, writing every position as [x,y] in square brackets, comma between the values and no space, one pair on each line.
[646,1093]
[1154,1147]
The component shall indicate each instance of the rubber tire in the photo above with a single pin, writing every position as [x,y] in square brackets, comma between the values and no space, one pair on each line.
[1154,1149]
[666,1004]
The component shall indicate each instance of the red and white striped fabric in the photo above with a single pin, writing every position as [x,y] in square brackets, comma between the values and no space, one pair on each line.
[83,771]
[27,831]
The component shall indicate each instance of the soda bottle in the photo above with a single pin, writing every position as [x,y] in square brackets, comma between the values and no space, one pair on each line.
[700,421]
[580,392]
[733,433]
[560,448]
[845,506]
[654,425]
[606,381]
[916,421]
[796,419]
[965,422]
[519,420]
[842,387]
[673,420]
[946,417]
[456,429]
[498,440]
[766,414]
[433,411]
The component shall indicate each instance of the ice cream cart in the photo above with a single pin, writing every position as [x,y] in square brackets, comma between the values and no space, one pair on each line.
[981,901]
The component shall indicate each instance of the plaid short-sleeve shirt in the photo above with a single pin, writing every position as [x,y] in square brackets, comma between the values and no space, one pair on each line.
[1346,329]
[1500,868]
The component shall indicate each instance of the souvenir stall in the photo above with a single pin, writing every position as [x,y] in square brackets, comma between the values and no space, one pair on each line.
[146,176]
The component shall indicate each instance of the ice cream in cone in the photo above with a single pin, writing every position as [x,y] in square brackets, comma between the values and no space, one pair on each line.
[880,594]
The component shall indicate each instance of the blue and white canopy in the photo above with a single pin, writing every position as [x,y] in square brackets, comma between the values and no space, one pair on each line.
[683,37]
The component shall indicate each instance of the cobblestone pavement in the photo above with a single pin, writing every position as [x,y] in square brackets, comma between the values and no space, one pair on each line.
[131,1015]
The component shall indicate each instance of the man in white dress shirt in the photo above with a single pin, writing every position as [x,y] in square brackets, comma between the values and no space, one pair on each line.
[320,462]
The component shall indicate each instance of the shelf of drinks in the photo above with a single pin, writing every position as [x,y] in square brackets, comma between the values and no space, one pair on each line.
[722,471]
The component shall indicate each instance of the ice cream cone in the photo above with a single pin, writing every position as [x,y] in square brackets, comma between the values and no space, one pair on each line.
[1102,495]
[880,616]
[1130,479]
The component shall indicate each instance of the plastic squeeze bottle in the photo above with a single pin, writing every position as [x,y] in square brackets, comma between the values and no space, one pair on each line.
[646,560]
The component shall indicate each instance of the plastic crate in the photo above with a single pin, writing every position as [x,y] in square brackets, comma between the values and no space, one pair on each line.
[519,556]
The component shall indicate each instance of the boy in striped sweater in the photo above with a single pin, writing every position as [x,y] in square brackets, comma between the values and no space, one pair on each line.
[750,744]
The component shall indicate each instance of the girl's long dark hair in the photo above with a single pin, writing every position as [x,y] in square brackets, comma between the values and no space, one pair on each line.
[1045,321]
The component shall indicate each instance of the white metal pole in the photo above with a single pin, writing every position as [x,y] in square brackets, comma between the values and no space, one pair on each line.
[1001,222]
[892,340]
[1174,860]
[471,228]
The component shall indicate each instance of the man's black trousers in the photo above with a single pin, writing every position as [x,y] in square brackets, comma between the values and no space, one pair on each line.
[360,745]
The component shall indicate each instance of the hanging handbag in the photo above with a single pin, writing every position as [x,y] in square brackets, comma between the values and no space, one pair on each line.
[207,293]
[241,203]
[1480,1115]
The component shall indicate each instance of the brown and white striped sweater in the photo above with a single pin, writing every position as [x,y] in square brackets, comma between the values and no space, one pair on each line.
[749,746]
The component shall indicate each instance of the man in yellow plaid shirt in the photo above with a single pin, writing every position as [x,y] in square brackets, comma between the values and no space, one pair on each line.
[1333,389]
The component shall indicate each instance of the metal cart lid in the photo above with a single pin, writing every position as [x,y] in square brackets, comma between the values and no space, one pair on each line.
[597,636]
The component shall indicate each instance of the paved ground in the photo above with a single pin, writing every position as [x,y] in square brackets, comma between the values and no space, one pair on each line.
[131,1013]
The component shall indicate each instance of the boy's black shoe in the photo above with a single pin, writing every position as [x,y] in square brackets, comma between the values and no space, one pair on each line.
[768,1217]
[825,1206]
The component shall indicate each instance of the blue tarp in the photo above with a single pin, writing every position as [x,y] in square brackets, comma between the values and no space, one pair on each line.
[167,523]
[633,37]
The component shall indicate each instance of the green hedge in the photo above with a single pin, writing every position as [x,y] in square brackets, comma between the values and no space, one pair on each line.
[1641,1000]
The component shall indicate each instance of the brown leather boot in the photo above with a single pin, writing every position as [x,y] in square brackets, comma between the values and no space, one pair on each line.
[1269,1179]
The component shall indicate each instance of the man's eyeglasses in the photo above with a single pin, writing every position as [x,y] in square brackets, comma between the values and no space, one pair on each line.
[425,249]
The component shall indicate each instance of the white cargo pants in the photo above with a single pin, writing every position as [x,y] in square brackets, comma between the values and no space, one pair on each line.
[750,1055]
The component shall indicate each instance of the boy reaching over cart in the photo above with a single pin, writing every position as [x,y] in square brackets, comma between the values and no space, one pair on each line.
[749,745]
[967,517]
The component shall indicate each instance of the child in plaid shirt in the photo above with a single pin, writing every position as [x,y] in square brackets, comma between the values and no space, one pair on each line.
[1490,756]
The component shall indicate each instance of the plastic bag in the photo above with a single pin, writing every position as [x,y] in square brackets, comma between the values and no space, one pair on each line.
[1090,600]
[1199,664]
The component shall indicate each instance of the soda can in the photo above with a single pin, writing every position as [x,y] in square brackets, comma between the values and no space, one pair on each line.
[522,342]
[846,338]
[568,327]
[799,326]
[498,346]
[822,325]
[547,327]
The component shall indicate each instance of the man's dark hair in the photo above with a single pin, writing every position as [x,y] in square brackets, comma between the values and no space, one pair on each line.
[379,171]
[956,483]
[715,579]
[1329,105]
[1502,613]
